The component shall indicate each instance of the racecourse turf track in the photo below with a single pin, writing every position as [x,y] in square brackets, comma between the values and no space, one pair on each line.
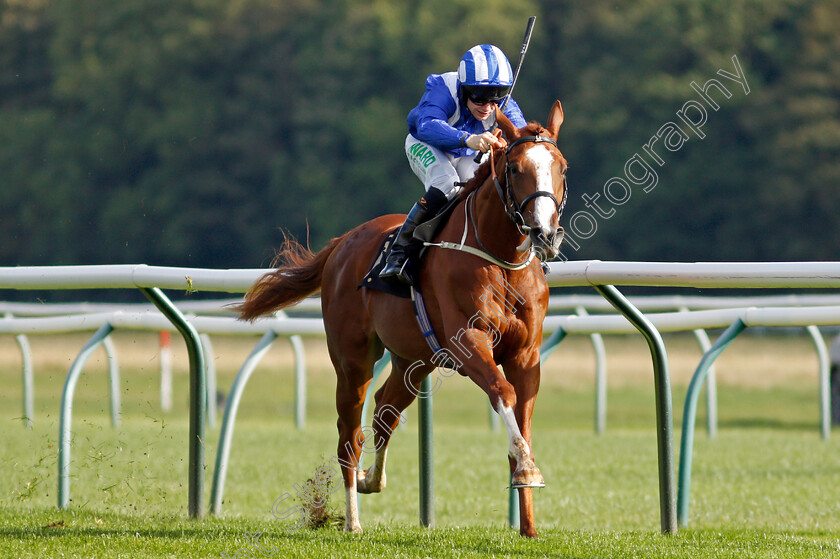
[766,487]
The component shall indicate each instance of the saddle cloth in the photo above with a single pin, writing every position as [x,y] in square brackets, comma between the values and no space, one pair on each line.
[424,232]
[372,279]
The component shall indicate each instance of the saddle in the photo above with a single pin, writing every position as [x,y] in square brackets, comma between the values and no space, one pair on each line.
[425,232]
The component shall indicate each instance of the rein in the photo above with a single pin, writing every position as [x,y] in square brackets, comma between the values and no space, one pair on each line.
[512,209]
[485,254]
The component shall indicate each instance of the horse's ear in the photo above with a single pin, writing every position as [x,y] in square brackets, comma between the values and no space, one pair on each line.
[511,131]
[555,119]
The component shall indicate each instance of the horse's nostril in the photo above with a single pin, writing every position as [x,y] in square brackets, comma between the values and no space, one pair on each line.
[548,236]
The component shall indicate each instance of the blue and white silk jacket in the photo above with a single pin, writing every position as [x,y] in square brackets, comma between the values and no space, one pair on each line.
[441,121]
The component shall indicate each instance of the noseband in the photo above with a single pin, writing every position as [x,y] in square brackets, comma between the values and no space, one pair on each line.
[513,209]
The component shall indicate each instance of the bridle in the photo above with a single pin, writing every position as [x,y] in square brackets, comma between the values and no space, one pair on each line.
[513,209]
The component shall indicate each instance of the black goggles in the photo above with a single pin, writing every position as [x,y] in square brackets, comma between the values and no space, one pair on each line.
[484,95]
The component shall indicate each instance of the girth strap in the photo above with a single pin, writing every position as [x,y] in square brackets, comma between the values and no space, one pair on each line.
[426,327]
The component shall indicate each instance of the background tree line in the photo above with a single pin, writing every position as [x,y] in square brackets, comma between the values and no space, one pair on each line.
[188,132]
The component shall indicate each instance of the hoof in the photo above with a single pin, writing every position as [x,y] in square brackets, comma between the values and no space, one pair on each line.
[366,485]
[527,478]
[353,528]
[532,533]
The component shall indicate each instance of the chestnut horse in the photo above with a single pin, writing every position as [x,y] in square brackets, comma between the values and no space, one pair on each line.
[485,309]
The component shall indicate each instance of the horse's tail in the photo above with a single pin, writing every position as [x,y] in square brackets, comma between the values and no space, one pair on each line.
[298,274]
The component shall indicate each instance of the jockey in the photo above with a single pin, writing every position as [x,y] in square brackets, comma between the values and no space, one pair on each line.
[454,119]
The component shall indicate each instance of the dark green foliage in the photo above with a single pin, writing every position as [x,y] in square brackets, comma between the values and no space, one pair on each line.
[187,132]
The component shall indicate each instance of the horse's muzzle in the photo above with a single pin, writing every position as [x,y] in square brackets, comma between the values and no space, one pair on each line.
[547,244]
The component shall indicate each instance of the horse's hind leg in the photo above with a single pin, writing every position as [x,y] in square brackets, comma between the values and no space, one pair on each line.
[354,369]
[391,400]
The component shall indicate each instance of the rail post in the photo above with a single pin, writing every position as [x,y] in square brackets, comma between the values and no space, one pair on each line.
[28,383]
[198,398]
[300,381]
[824,372]
[600,377]
[114,378]
[711,385]
[165,371]
[210,376]
[664,410]
[427,473]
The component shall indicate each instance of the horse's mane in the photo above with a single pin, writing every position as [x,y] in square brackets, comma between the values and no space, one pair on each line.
[483,172]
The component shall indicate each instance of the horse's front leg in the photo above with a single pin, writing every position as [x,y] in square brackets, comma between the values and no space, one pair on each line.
[524,375]
[481,368]
[526,473]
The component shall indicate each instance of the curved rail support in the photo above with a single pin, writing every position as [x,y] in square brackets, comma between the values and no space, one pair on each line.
[210,371]
[378,367]
[114,377]
[64,432]
[198,397]
[711,383]
[690,414]
[825,367]
[548,346]
[664,411]
[229,419]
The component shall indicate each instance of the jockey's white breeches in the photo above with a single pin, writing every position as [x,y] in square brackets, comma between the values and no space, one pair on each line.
[436,168]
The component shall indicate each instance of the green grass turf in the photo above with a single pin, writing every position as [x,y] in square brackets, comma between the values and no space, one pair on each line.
[766,487]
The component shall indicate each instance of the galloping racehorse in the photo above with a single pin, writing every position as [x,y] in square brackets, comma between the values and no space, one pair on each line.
[485,295]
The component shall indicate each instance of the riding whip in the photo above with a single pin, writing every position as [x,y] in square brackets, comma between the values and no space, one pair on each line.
[528,30]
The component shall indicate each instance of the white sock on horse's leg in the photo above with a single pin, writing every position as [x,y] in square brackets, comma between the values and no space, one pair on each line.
[351,512]
[518,447]
[526,474]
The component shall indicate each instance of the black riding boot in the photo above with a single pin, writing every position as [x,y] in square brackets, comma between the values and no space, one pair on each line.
[425,209]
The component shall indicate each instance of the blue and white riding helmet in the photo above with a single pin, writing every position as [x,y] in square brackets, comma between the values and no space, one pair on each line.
[485,74]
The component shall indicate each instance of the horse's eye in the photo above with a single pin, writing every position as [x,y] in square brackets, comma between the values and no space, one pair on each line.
[514,170]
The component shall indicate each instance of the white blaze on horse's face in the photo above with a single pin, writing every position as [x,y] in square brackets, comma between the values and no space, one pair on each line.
[544,209]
